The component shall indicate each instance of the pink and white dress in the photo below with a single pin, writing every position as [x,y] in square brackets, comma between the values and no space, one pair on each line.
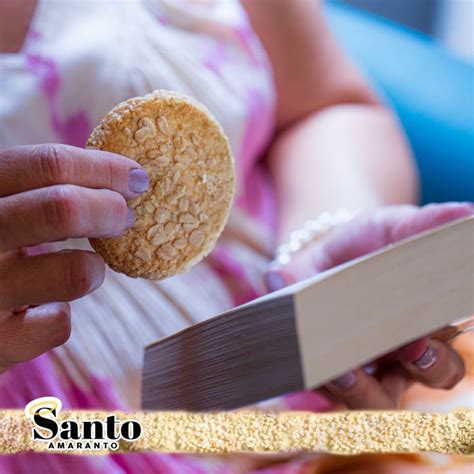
[80,59]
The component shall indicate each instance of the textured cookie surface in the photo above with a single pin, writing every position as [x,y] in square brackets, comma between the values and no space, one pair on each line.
[192,183]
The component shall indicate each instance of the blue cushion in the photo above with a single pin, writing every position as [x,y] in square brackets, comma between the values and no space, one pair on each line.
[431,91]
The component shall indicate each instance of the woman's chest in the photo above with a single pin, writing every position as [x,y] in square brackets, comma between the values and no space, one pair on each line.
[77,63]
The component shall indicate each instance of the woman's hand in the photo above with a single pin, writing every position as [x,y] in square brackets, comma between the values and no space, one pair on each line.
[50,193]
[429,361]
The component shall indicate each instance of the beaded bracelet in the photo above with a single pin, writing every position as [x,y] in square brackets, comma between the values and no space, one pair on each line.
[312,230]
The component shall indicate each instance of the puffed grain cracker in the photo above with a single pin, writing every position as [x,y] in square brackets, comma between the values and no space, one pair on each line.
[192,183]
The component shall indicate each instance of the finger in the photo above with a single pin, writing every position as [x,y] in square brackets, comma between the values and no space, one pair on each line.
[358,390]
[395,381]
[27,335]
[446,334]
[300,267]
[61,212]
[318,257]
[372,232]
[35,166]
[277,279]
[439,366]
[61,276]
[344,243]
[378,229]
[425,218]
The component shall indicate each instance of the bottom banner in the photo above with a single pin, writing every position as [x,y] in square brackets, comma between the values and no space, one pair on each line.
[44,427]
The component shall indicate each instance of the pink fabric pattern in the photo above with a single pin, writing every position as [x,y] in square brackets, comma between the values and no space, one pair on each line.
[74,129]
[228,267]
[257,196]
[307,401]
[245,35]
[216,58]
[32,37]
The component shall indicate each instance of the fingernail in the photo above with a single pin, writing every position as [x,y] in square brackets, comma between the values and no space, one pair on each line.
[274,280]
[428,359]
[130,218]
[345,381]
[370,369]
[413,351]
[138,180]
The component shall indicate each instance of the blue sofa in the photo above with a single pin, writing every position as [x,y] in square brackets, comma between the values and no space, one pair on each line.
[431,91]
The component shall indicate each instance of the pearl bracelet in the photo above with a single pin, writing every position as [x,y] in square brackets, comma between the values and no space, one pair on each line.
[312,230]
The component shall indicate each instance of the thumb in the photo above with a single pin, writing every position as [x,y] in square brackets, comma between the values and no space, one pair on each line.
[276,279]
[303,264]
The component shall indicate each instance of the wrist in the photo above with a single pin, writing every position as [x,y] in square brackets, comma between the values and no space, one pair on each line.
[312,230]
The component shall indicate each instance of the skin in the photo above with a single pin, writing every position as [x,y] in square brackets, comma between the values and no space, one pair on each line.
[51,193]
[15,19]
[394,372]
[338,146]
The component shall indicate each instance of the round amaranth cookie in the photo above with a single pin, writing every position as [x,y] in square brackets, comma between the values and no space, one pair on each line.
[192,183]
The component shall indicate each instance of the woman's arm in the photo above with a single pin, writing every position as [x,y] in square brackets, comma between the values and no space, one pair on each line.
[336,145]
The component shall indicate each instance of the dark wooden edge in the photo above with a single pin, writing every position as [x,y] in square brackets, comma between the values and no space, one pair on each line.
[244,356]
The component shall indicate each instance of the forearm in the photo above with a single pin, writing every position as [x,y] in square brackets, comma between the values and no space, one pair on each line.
[336,146]
[352,156]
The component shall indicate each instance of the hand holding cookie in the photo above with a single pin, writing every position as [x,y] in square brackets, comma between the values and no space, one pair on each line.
[50,193]
[153,214]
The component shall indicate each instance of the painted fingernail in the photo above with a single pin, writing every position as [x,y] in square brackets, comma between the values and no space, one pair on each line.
[138,180]
[413,351]
[427,360]
[370,369]
[130,218]
[345,381]
[274,280]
